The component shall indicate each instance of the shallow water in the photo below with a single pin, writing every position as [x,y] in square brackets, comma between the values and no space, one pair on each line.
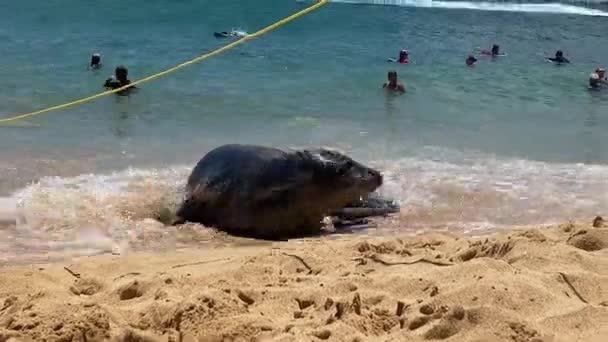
[515,140]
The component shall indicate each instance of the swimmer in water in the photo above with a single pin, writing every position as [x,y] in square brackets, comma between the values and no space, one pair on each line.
[119,80]
[598,78]
[559,58]
[95,61]
[494,52]
[601,73]
[392,83]
[404,57]
[594,81]
[470,61]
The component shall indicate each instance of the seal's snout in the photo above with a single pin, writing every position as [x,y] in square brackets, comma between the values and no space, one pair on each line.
[185,212]
[374,177]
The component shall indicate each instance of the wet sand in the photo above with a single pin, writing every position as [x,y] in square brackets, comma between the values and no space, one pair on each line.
[8,212]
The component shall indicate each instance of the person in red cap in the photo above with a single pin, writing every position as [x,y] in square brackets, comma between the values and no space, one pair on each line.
[404,57]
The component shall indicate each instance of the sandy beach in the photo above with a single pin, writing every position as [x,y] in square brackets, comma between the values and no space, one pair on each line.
[525,285]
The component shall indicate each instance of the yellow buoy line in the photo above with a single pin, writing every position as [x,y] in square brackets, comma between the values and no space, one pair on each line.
[175,68]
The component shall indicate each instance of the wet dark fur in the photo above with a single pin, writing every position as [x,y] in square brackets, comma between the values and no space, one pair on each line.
[266,193]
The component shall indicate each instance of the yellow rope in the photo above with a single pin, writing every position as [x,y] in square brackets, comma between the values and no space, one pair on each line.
[176,68]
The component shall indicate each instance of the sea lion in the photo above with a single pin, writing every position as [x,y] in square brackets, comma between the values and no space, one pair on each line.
[267,193]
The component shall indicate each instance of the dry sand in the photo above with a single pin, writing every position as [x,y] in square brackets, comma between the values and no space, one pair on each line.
[543,284]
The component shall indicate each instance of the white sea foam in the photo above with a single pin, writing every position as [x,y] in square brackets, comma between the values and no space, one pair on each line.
[93,213]
[489,6]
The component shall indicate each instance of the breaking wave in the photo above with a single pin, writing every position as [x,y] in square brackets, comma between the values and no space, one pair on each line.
[552,7]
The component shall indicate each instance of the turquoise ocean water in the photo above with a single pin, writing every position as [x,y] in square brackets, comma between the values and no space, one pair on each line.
[515,140]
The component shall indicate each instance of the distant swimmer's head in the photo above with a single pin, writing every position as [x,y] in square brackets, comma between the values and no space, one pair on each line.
[120,79]
[601,72]
[471,60]
[403,56]
[559,54]
[96,60]
[392,83]
[121,73]
[392,76]
[594,80]
[495,49]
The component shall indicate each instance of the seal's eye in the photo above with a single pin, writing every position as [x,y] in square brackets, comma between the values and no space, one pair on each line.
[345,168]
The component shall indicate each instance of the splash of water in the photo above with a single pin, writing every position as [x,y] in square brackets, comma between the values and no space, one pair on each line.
[93,214]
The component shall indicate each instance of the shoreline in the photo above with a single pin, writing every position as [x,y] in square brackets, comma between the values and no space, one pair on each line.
[8,211]
[534,284]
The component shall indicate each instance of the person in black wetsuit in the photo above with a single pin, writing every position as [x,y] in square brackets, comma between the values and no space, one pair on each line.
[559,58]
[119,80]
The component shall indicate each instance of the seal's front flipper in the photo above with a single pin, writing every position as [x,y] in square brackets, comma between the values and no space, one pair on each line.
[177,221]
[372,205]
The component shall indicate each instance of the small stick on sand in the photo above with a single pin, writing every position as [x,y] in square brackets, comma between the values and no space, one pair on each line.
[360,261]
[301,260]
[340,309]
[400,308]
[376,258]
[357,303]
[75,274]
[199,263]
[127,274]
[573,288]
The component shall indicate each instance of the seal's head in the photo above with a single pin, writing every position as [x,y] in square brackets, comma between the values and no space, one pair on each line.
[340,178]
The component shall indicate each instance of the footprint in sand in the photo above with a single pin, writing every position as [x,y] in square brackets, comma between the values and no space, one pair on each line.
[86,286]
[589,240]
[419,322]
[131,290]
[443,330]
